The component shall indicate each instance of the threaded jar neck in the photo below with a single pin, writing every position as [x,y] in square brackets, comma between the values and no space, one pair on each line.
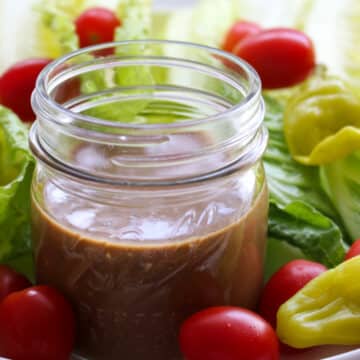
[151,113]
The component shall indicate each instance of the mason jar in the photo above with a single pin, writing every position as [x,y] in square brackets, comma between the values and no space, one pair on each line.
[149,201]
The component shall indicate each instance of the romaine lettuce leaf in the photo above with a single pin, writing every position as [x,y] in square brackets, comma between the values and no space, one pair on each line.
[305,228]
[278,253]
[16,167]
[341,181]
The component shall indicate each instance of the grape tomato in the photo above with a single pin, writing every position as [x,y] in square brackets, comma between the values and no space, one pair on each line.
[285,283]
[36,324]
[354,250]
[96,26]
[228,333]
[11,281]
[282,57]
[17,84]
[238,32]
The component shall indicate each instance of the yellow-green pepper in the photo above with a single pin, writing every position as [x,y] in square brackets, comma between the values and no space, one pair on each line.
[322,121]
[325,311]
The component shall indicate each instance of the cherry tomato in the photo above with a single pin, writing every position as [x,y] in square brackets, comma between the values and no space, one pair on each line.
[36,324]
[282,57]
[17,84]
[285,283]
[354,250]
[11,281]
[96,26]
[228,333]
[238,32]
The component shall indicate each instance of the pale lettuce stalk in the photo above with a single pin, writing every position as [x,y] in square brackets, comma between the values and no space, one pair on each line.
[334,27]
[283,13]
[56,32]
[136,20]
[71,8]
[341,181]
[205,24]
[208,22]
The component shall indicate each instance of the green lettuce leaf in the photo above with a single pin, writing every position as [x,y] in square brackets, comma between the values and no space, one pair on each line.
[278,253]
[16,167]
[305,228]
[341,181]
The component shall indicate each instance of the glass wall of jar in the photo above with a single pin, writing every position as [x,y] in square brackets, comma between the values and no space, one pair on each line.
[149,196]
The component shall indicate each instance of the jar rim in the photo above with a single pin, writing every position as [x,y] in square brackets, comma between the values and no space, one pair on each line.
[231,138]
[252,94]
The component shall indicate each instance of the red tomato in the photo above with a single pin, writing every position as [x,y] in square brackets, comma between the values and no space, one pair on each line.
[228,333]
[11,281]
[354,250]
[17,84]
[285,283]
[36,324]
[96,26]
[238,32]
[282,57]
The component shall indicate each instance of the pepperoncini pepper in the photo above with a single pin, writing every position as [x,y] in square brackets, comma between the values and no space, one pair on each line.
[325,311]
[322,121]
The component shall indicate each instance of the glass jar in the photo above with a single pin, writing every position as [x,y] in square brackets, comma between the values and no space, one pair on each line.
[149,196]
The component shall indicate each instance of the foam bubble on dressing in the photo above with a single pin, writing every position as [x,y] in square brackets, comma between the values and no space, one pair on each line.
[81,219]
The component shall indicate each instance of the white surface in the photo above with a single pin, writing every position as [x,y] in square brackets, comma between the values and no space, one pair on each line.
[323,353]
[352,355]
